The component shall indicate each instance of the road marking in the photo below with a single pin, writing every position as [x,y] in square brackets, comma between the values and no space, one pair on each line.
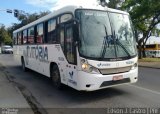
[155,92]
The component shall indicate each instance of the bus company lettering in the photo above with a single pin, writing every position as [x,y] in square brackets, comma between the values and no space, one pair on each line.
[103,65]
[38,52]
[129,62]
[72,82]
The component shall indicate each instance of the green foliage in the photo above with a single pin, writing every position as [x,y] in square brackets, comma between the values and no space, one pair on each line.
[2,32]
[4,36]
[8,40]
[145,14]
[25,19]
[114,3]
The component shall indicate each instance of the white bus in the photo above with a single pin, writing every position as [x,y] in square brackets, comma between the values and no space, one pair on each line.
[85,48]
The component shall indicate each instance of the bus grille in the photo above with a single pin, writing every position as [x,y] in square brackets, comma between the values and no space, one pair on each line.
[110,83]
[115,70]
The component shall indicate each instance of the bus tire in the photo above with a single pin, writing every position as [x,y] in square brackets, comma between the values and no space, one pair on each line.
[55,77]
[23,65]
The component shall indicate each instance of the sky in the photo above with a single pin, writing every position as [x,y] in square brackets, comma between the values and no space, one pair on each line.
[32,6]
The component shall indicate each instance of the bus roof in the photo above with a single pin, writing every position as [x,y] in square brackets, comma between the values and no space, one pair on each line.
[65,10]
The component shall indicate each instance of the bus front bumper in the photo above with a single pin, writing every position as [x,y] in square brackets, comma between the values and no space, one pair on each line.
[91,82]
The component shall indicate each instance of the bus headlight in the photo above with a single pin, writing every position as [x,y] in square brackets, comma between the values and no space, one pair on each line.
[85,66]
[134,66]
[88,68]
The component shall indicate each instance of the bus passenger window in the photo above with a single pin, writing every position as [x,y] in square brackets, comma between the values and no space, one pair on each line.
[19,38]
[24,36]
[39,34]
[31,35]
[15,38]
[51,35]
[62,38]
[70,55]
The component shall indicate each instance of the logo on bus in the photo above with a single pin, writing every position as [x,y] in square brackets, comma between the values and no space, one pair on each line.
[72,82]
[37,52]
[71,74]
[129,62]
[103,65]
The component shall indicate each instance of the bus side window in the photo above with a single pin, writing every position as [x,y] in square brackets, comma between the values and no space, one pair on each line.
[19,38]
[15,38]
[62,38]
[31,35]
[51,34]
[24,38]
[39,34]
[70,53]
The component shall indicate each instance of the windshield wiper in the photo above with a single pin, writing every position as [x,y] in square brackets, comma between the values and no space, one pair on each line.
[104,45]
[121,45]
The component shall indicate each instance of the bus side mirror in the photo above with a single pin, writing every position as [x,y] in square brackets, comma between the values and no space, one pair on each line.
[75,32]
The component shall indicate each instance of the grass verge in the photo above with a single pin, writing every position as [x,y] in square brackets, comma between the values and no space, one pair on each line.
[149,60]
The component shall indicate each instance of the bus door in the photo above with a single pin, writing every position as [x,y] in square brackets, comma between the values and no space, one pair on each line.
[69,50]
[70,54]
[61,58]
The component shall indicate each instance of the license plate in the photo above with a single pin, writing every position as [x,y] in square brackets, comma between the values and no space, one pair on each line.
[119,77]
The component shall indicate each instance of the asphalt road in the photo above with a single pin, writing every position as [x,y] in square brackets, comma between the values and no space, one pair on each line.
[41,93]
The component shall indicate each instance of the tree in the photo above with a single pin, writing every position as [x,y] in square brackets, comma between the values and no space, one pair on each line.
[25,19]
[8,39]
[115,4]
[145,15]
[4,36]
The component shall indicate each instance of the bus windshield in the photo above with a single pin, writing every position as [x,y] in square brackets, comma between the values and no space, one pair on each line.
[105,35]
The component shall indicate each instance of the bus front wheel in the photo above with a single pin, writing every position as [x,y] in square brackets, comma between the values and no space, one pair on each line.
[55,77]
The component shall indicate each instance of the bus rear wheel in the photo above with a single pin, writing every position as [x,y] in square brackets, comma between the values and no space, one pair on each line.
[55,77]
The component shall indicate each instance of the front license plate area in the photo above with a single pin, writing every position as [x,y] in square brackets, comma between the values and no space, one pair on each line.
[119,77]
